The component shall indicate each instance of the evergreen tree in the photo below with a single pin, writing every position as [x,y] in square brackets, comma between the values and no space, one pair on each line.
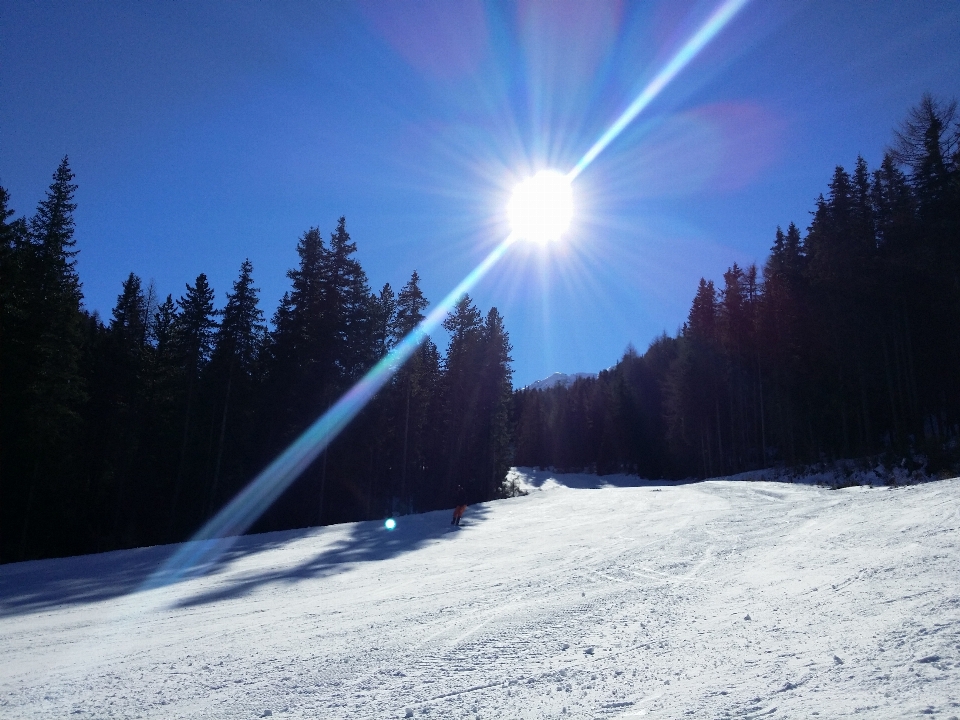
[164,425]
[838,351]
[413,399]
[927,145]
[324,340]
[192,342]
[694,385]
[13,237]
[56,390]
[115,417]
[410,306]
[233,376]
[194,326]
[300,365]
[164,320]
[50,388]
[496,388]
[346,307]
[239,337]
[383,310]
[461,396]
[15,359]
[130,321]
[299,374]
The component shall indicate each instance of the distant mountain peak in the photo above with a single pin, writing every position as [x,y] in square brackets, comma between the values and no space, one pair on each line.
[558,378]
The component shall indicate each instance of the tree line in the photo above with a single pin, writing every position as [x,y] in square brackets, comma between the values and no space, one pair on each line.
[134,430]
[846,344]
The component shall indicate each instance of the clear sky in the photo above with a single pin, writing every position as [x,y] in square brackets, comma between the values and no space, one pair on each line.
[203,133]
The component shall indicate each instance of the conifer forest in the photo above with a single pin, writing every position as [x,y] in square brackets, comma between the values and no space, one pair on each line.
[133,429]
[845,344]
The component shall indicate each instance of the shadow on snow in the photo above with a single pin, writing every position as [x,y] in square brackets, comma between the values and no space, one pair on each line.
[364,542]
[38,585]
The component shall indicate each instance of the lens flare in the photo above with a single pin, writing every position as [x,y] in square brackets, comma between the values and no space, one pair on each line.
[389,523]
[541,207]
[241,512]
[714,24]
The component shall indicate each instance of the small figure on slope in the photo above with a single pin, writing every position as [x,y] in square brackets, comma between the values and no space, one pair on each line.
[461,505]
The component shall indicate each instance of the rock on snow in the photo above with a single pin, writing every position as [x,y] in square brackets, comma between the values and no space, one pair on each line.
[569,602]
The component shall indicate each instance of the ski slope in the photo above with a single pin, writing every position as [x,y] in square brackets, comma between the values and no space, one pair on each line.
[707,600]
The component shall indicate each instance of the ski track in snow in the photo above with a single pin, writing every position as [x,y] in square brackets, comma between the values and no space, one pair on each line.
[707,600]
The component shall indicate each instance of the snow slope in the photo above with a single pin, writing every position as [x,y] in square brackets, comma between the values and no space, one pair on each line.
[705,600]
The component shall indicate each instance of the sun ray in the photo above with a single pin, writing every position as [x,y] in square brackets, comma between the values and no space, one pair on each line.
[714,24]
[241,512]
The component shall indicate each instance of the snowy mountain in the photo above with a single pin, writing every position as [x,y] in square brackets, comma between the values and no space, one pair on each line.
[589,597]
[558,378]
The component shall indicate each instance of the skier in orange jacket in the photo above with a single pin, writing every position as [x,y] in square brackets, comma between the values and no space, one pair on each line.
[461,506]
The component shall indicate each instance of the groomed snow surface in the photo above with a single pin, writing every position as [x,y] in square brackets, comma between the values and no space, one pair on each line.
[705,600]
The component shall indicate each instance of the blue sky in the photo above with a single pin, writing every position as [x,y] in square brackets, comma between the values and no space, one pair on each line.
[204,133]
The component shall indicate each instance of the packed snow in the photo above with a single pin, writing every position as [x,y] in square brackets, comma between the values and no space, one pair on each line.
[590,597]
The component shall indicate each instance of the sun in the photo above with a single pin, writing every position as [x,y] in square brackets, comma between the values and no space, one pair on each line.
[541,207]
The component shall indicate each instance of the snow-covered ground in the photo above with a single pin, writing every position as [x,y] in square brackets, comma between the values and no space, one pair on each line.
[706,600]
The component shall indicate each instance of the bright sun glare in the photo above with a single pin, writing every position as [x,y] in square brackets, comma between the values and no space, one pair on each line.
[540,210]
[541,207]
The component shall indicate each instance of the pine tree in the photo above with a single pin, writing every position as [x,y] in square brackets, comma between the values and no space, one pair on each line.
[234,368]
[346,307]
[894,207]
[192,342]
[117,415]
[162,435]
[164,320]
[693,386]
[57,388]
[13,251]
[53,388]
[497,386]
[300,325]
[413,400]
[383,310]
[324,340]
[736,325]
[927,145]
[702,320]
[130,322]
[15,365]
[193,329]
[298,376]
[13,236]
[239,337]
[461,397]
[300,361]
[410,306]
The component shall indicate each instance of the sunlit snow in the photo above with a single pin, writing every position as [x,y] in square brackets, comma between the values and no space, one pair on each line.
[588,598]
